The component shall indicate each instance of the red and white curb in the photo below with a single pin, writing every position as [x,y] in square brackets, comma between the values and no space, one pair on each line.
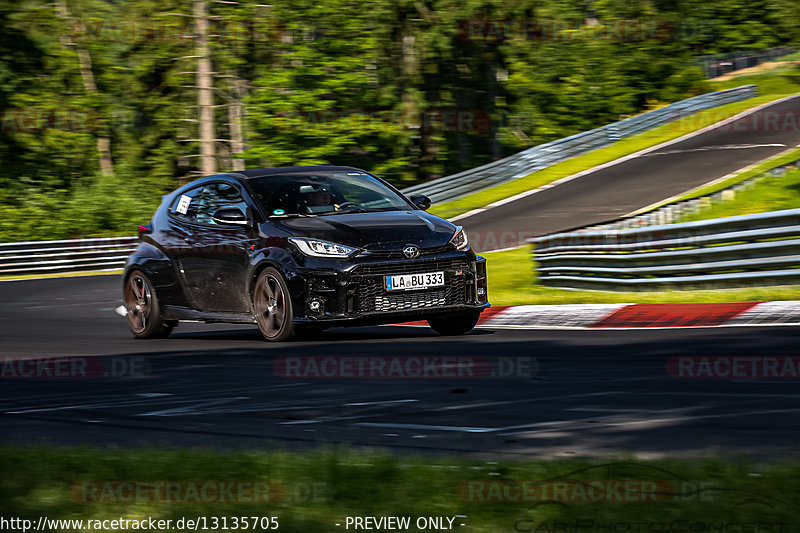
[634,316]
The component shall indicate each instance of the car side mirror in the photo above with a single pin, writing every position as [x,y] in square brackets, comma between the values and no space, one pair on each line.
[421,201]
[230,216]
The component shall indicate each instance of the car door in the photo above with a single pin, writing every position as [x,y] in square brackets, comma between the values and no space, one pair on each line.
[215,261]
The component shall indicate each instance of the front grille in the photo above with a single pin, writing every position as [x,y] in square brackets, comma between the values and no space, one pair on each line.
[406,301]
[398,254]
[411,267]
[373,297]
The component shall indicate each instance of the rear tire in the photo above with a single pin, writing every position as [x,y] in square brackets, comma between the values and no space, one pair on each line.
[144,312]
[459,324]
[272,306]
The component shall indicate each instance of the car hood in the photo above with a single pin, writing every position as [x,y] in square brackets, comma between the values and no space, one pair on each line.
[384,230]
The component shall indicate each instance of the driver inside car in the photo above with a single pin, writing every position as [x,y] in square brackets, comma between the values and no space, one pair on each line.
[318,198]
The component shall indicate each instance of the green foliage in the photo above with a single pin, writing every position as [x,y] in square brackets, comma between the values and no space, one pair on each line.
[98,205]
[410,89]
[325,96]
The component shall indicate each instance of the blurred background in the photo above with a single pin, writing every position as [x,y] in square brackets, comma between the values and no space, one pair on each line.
[108,104]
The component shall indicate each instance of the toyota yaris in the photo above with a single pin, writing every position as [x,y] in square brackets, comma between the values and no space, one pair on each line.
[300,249]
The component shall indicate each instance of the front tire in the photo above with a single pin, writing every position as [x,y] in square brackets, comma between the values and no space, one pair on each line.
[144,312]
[272,306]
[457,324]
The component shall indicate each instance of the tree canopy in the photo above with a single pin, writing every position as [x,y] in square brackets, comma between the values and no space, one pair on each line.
[100,113]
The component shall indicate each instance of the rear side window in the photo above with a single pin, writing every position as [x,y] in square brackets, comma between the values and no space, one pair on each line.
[198,205]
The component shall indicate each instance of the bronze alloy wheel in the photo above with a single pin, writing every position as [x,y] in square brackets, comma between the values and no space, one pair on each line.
[144,315]
[138,301]
[272,306]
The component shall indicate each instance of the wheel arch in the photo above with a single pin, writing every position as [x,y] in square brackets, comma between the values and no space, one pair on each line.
[260,267]
[291,272]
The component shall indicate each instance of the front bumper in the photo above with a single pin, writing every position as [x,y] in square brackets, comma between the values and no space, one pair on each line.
[355,293]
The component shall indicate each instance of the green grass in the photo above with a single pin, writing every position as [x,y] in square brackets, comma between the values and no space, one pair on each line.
[771,86]
[36,483]
[601,156]
[710,188]
[791,57]
[772,193]
[512,281]
[782,78]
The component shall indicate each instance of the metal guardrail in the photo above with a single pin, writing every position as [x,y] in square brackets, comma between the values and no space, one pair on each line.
[545,155]
[77,255]
[762,249]
[83,255]
[678,210]
[720,64]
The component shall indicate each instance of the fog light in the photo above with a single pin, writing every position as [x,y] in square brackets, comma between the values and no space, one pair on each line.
[315,306]
[480,291]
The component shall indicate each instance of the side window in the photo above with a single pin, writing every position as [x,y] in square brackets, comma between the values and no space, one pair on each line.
[199,205]
[184,207]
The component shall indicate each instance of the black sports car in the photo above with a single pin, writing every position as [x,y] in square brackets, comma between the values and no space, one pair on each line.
[300,249]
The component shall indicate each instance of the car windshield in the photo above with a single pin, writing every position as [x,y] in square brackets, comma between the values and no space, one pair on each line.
[324,193]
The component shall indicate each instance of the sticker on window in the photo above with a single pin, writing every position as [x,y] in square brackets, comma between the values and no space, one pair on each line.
[183,205]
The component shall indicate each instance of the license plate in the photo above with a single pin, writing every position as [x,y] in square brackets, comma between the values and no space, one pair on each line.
[405,282]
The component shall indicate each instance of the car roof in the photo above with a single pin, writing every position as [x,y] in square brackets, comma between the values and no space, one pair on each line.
[260,172]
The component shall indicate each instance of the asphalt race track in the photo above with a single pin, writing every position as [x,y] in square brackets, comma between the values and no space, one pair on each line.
[625,187]
[579,393]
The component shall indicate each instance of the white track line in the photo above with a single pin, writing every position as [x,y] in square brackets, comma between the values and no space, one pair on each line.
[709,184]
[622,159]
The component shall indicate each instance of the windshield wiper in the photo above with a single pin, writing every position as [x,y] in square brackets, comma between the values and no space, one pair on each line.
[292,215]
[360,210]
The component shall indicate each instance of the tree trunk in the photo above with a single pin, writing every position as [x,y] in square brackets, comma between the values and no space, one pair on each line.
[89,85]
[205,88]
[235,111]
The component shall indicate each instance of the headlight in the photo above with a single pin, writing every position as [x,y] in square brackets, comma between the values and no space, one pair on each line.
[459,239]
[318,248]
